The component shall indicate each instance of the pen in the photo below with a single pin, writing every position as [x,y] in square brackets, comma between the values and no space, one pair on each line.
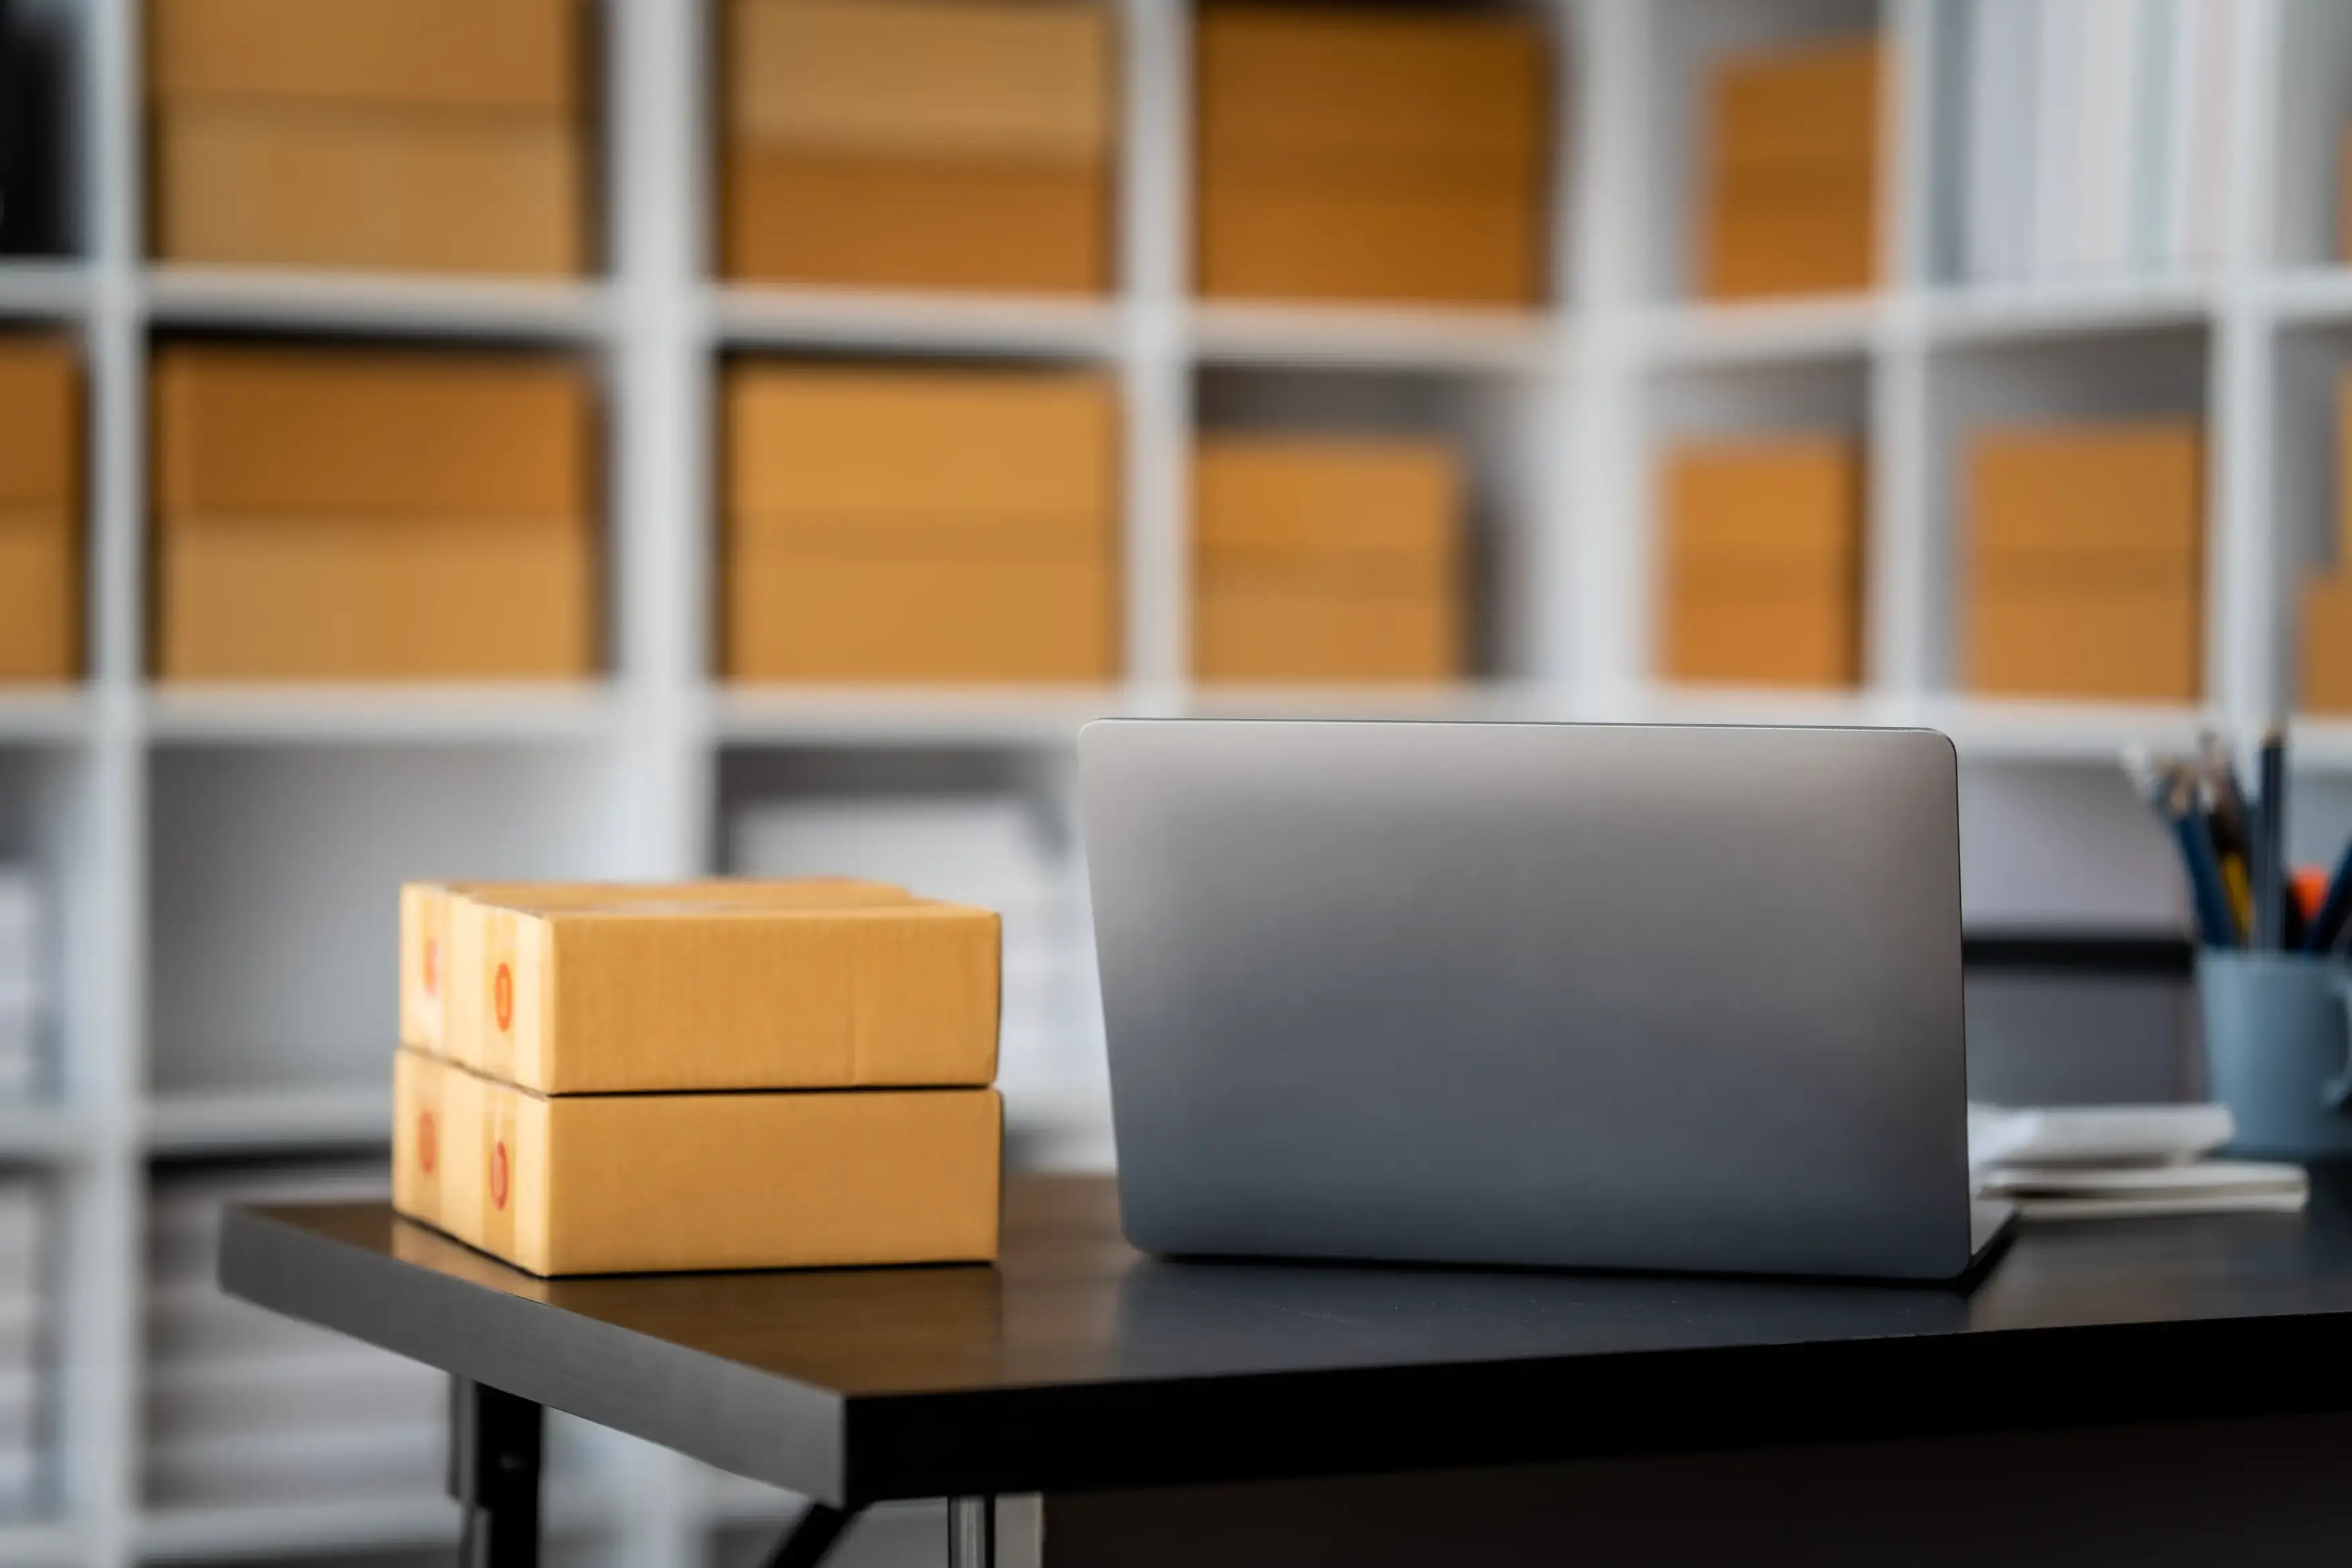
[2270,847]
[2214,923]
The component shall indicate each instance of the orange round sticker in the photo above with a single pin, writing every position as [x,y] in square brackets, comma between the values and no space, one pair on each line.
[432,967]
[427,1141]
[498,1175]
[502,998]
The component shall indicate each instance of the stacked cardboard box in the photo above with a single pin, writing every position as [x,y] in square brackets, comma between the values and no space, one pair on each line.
[1763,568]
[26,1363]
[40,510]
[737,1075]
[925,143]
[439,135]
[1322,559]
[242,1405]
[2327,624]
[919,525]
[371,515]
[2085,561]
[996,851]
[1371,155]
[1792,173]
[23,998]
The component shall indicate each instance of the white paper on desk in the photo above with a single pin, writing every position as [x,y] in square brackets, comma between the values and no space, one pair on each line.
[2203,1186]
[2102,1135]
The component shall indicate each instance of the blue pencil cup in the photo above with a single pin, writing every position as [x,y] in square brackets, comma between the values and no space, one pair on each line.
[2278,1026]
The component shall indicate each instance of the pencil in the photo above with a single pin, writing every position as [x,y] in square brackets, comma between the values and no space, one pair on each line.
[2214,924]
[2327,925]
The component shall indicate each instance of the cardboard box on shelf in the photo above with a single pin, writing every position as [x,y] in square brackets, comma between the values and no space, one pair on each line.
[357,514]
[919,525]
[2326,647]
[818,984]
[295,185]
[245,430]
[2085,561]
[713,1180]
[41,510]
[1762,561]
[1320,560]
[514,55]
[435,136]
[1789,202]
[1371,157]
[919,144]
[375,599]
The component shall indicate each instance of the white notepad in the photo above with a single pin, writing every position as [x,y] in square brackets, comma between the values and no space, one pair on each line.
[2205,1186]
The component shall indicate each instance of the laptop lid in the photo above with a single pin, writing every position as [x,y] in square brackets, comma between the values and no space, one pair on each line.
[1593,995]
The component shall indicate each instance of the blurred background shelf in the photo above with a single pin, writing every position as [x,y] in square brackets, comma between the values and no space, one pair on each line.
[218,859]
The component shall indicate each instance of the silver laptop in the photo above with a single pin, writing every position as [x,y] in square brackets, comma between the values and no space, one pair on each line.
[1641,997]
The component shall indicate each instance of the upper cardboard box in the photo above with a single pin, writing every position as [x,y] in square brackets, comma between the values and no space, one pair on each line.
[959,82]
[326,433]
[1399,92]
[1779,496]
[524,55]
[1810,108]
[2136,487]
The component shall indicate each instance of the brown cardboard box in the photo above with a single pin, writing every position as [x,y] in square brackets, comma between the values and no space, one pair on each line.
[1311,627]
[919,144]
[822,987]
[919,526]
[1356,155]
[881,221]
[513,55]
[1030,450]
[244,431]
[842,611]
[40,510]
[40,595]
[1322,559]
[439,135]
[2093,625]
[2129,487]
[260,182]
[426,956]
[1773,633]
[1789,202]
[1762,561]
[2326,673]
[375,599]
[640,1182]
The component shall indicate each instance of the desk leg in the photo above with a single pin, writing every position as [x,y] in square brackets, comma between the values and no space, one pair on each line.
[972,1533]
[494,1446]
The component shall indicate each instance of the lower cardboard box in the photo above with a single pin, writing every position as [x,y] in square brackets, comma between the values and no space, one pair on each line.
[2326,676]
[40,596]
[373,599]
[253,182]
[1307,628]
[1803,634]
[1797,241]
[607,1184]
[818,610]
[1309,238]
[2069,638]
[851,221]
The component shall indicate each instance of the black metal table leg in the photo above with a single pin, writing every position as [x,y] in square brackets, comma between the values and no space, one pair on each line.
[494,1451]
[972,1533]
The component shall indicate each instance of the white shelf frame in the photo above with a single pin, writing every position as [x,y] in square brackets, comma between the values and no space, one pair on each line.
[656,324]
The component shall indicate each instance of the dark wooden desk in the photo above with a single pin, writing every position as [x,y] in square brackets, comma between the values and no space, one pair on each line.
[1151,1402]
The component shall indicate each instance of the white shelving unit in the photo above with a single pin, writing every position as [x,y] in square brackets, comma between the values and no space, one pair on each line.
[225,857]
